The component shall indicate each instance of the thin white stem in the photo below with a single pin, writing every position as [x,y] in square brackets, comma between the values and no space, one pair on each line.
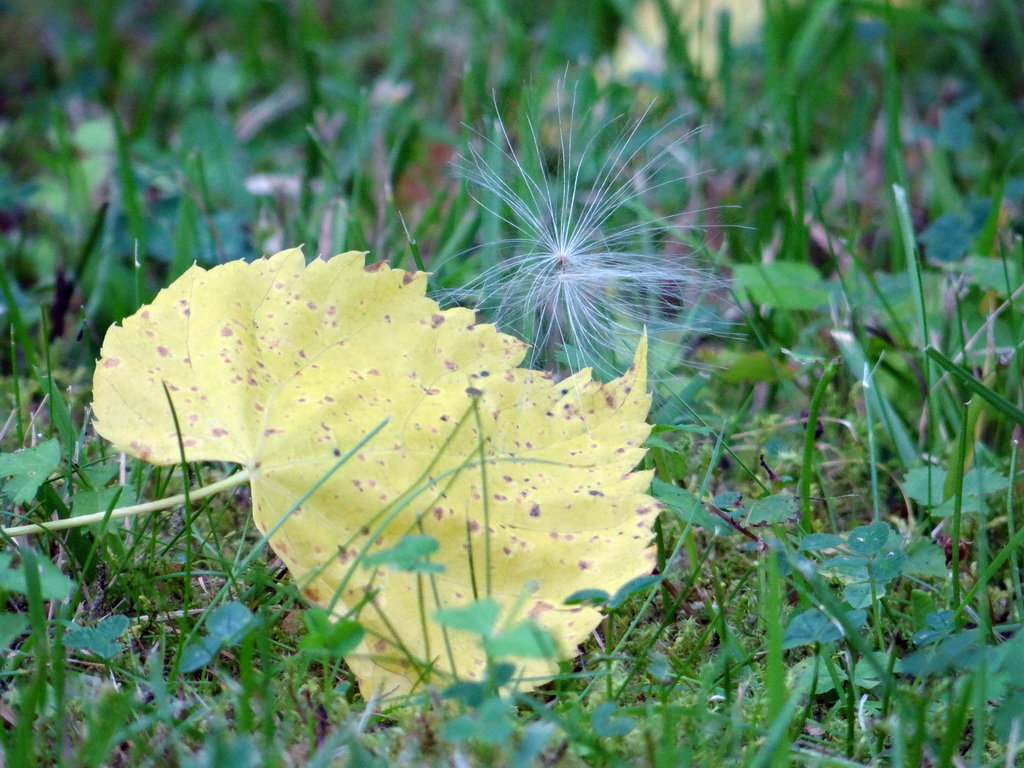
[136,509]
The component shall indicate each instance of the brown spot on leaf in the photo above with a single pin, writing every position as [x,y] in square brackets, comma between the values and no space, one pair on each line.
[539,609]
[141,450]
[312,594]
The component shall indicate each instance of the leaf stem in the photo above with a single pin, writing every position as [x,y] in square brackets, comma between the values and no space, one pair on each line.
[120,513]
[810,435]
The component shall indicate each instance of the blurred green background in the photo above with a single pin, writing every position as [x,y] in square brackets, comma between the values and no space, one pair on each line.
[138,137]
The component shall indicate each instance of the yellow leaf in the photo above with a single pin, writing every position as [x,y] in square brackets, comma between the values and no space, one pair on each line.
[525,483]
[643,42]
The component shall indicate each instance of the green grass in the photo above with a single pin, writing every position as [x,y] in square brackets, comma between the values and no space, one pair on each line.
[859,176]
